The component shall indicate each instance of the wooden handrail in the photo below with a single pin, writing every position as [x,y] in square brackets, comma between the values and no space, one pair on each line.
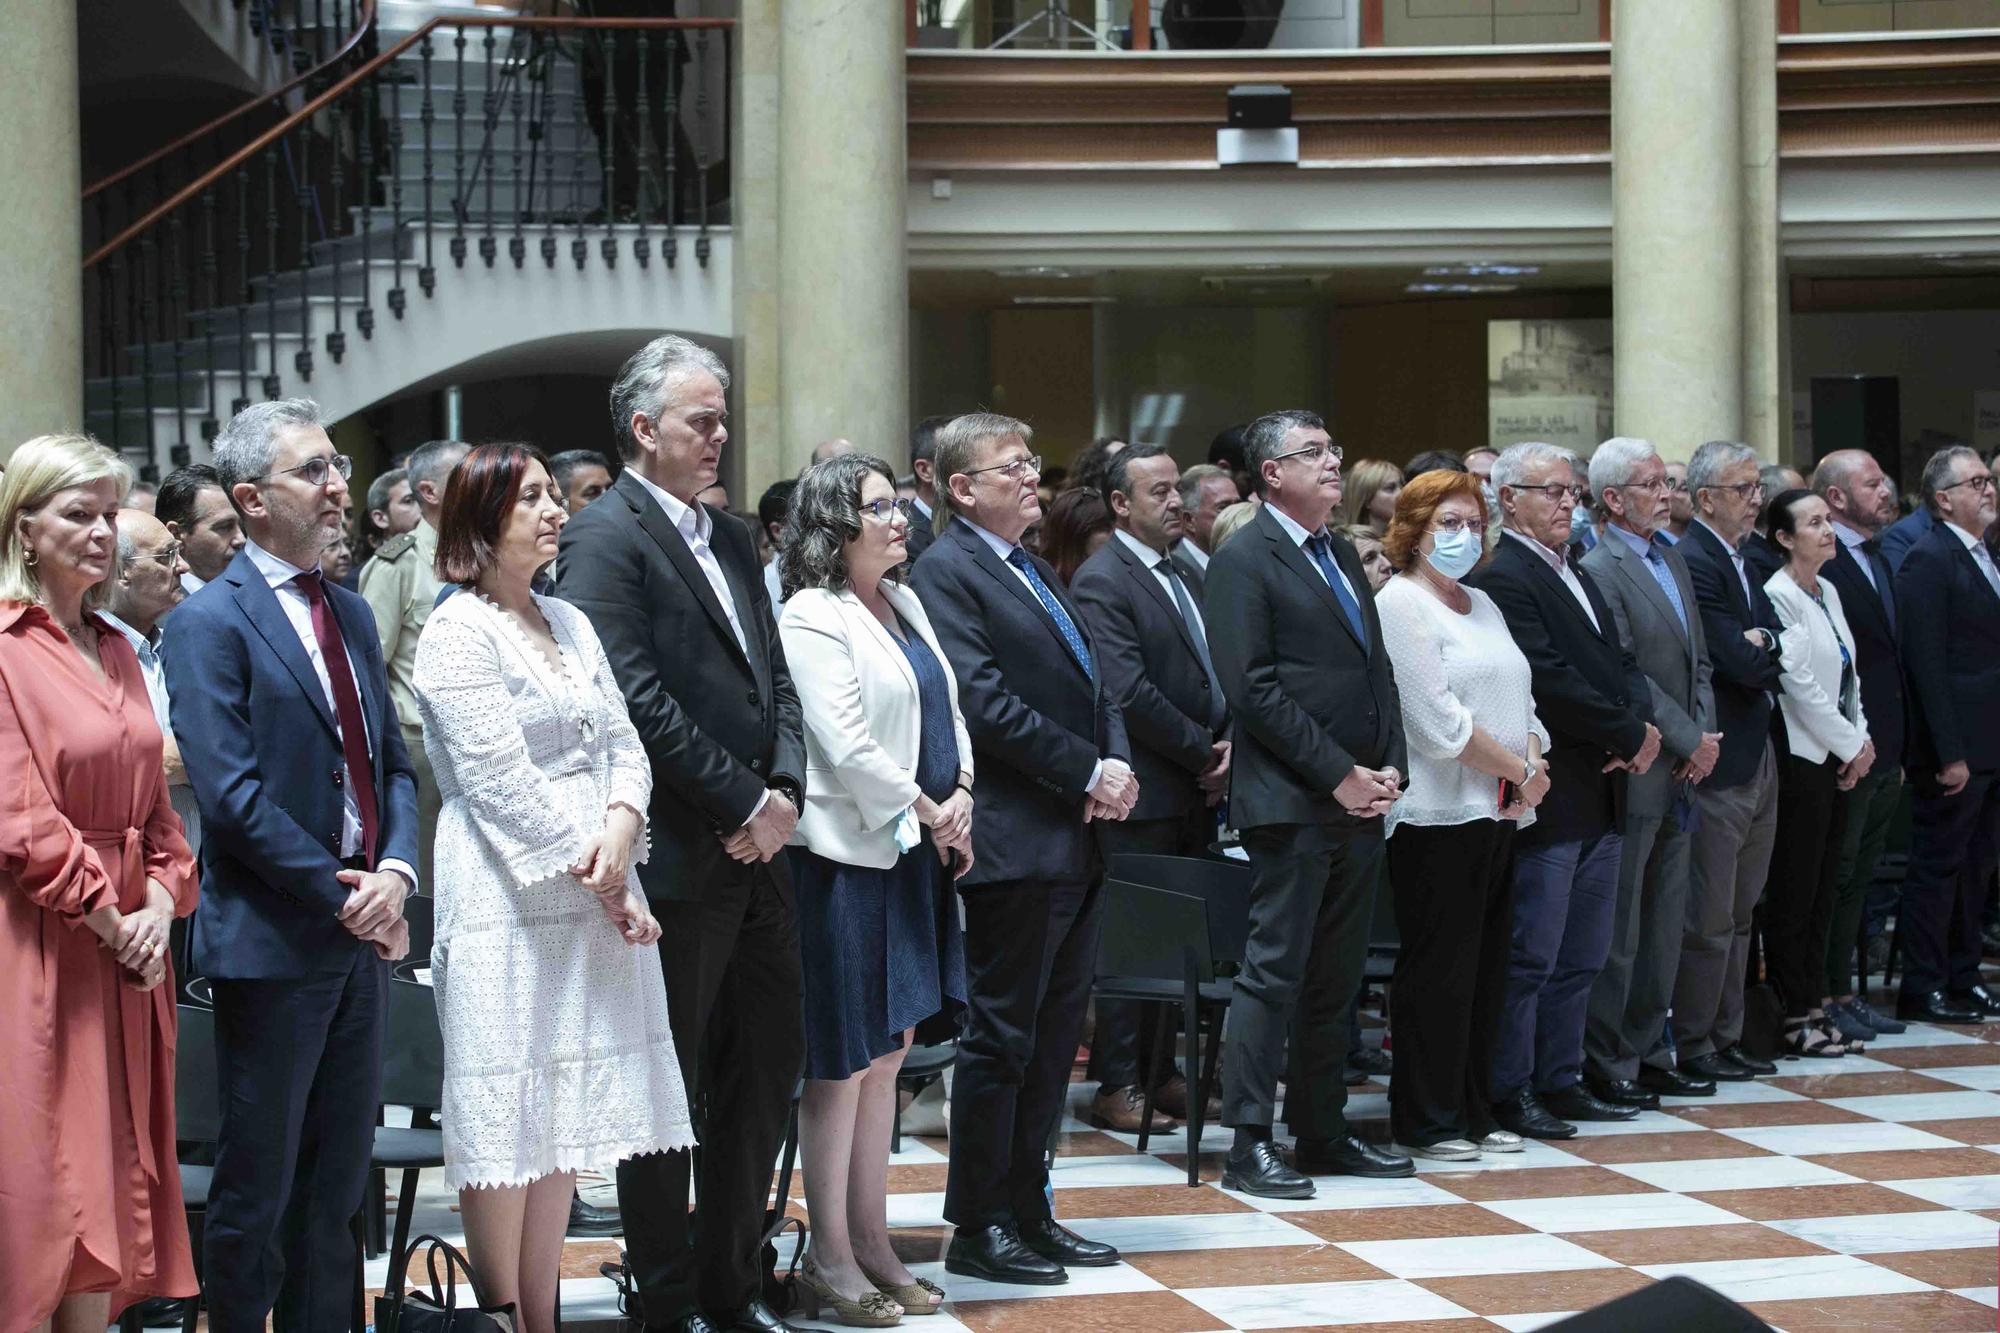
[278,94]
[360,72]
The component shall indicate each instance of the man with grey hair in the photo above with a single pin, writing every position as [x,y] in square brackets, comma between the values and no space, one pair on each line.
[146,587]
[923,466]
[1206,490]
[1736,808]
[1949,592]
[1763,555]
[1646,584]
[673,589]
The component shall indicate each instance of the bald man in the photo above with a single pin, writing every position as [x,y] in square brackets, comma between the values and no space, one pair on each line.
[833,448]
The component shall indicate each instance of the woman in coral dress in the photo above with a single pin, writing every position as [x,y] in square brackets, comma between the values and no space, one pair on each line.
[93,869]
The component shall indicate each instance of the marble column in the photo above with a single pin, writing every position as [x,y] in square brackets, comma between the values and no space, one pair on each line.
[843,284]
[41,218]
[1767,379]
[1676,211]
[756,423]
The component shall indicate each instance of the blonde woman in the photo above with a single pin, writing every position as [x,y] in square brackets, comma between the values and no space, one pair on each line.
[1372,487]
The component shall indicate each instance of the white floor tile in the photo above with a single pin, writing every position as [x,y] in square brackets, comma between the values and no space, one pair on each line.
[1465,1256]
[1354,1192]
[1534,1154]
[1611,1212]
[1823,1276]
[1984,1078]
[1953,1191]
[1890,1233]
[1527,1323]
[1984,1295]
[924,1210]
[1646,1122]
[1102,1172]
[941,1322]
[1730,1173]
[1082,1282]
[1924,1034]
[1295,1305]
[1207,1231]
[1813,1140]
[1920,1106]
[1737,1094]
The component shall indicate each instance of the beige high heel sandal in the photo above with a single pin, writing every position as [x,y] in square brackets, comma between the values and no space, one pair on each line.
[873,1310]
[915,1297]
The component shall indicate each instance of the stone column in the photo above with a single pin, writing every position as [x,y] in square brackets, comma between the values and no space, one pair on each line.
[41,221]
[1676,209]
[843,284]
[754,459]
[1767,379]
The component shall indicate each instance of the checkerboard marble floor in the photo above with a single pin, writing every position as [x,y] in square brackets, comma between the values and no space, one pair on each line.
[1862,1193]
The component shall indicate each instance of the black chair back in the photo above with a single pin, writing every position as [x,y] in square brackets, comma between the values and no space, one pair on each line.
[197,1086]
[1223,885]
[413,1049]
[197,990]
[421,914]
[1151,933]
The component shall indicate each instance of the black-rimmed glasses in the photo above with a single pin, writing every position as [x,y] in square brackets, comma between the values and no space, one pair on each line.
[314,471]
[1315,452]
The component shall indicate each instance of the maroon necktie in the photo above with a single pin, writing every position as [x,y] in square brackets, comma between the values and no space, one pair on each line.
[346,708]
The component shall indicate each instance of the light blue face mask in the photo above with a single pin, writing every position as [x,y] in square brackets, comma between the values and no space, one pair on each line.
[1453,554]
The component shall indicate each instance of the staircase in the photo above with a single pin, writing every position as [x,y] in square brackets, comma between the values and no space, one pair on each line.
[440,209]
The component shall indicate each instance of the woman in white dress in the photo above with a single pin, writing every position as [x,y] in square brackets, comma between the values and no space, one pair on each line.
[557,1053]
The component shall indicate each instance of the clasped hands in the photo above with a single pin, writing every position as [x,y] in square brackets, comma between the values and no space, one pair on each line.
[605,869]
[950,823]
[1531,793]
[1643,760]
[765,833]
[1116,792]
[374,911]
[1214,780]
[138,939]
[1367,793]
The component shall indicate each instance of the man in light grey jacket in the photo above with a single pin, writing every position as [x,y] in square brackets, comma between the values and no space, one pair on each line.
[1653,601]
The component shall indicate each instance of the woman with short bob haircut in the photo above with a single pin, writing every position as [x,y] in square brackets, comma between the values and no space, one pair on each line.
[558,1056]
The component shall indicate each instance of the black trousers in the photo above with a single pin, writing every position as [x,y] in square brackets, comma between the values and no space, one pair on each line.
[1805,869]
[1953,846]
[1455,913]
[1121,1050]
[733,998]
[299,1061]
[1030,956]
[1310,905]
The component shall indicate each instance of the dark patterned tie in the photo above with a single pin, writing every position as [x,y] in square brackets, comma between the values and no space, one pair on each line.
[346,708]
[1321,551]
[1018,558]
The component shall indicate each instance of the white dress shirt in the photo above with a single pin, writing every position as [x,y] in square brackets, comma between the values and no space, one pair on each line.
[1980,555]
[1297,533]
[278,575]
[1152,559]
[1852,541]
[1563,572]
[154,672]
[1194,554]
[696,527]
[192,584]
[774,587]
[1735,558]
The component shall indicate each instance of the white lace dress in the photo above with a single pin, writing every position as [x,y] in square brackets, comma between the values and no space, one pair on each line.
[557,1053]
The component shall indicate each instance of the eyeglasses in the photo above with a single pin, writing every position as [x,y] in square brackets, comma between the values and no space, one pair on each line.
[1451,525]
[1981,482]
[1658,486]
[1674,487]
[1555,492]
[314,470]
[1315,452]
[883,511]
[1744,489]
[1013,470]
[166,557]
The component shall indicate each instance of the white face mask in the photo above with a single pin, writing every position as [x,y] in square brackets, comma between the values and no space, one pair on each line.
[1453,554]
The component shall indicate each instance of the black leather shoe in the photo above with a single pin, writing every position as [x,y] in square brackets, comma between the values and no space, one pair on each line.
[1623,1092]
[586,1219]
[1350,1157]
[691,1323]
[161,1312]
[1261,1170]
[1576,1103]
[1977,996]
[1935,1007]
[1370,1061]
[1525,1115]
[1057,1243]
[1742,1059]
[998,1254]
[1717,1068]
[756,1317]
[1674,1083]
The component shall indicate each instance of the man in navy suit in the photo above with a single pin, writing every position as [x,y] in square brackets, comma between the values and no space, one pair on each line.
[309,841]
[1949,592]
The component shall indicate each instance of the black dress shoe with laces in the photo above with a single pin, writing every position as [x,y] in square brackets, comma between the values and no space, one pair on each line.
[1350,1157]
[1935,1007]
[1058,1244]
[757,1317]
[1576,1103]
[586,1219]
[998,1254]
[1977,996]
[1742,1059]
[690,1323]
[1623,1092]
[1525,1115]
[1675,1083]
[1260,1169]
[1717,1068]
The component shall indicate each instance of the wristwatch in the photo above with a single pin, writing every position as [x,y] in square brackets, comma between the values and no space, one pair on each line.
[1527,771]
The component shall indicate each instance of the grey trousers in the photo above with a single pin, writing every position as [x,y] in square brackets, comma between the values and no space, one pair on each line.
[1734,831]
[1627,1022]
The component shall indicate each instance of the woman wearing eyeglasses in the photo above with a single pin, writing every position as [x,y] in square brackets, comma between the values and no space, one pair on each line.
[887,826]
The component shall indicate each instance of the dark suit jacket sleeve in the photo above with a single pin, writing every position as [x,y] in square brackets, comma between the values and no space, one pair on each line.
[1114,635]
[604,576]
[1564,698]
[399,840]
[788,751]
[1241,621]
[1000,722]
[1923,586]
[1732,657]
[208,686]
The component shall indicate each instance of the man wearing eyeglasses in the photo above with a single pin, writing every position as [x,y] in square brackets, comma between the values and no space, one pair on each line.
[1948,590]
[147,587]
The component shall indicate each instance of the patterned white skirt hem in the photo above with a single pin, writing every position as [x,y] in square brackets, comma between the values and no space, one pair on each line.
[602,1158]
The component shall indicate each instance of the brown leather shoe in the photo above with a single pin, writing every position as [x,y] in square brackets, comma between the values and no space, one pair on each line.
[1172,1097]
[1123,1109]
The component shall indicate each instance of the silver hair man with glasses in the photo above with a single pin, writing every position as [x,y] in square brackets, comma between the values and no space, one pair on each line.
[1736,807]
[281,707]
[1646,584]
[146,587]
[1948,590]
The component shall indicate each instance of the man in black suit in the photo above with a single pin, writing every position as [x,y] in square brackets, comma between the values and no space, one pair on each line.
[1736,807]
[1862,500]
[923,466]
[1144,614]
[1318,761]
[1763,556]
[1052,757]
[1948,591]
[674,591]
[1597,707]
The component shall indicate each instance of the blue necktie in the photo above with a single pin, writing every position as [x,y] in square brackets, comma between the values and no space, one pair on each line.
[1664,576]
[1885,581]
[1318,547]
[1018,558]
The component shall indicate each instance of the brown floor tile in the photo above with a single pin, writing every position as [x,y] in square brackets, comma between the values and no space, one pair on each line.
[1254,1266]
[1930,1311]
[1985,1129]
[1530,1293]
[1096,1143]
[918,1245]
[1991,1214]
[1693,1245]
[1912,1163]
[904,1178]
[1943,1268]
[1155,1310]
[1773,1205]
[1211,1164]
[1938,1057]
[1761,1115]
[1414,1223]
[1861,1085]
[580,1258]
[1146,1201]
[1670,1147]
[1546,1182]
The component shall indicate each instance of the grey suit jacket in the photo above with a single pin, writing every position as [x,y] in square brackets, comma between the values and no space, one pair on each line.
[1674,660]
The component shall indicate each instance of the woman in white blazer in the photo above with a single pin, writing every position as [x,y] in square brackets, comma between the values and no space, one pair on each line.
[887,824]
[1827,752]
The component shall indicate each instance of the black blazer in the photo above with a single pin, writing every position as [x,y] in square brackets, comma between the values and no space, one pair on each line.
[1763,557]
[720,726]
[1878,649]
[1744,674]
[1309,702]
[1951,656]
[1039,725]
[920,535]
[1589,691]
[1147,656]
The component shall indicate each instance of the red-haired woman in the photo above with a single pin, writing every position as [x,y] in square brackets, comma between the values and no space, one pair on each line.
[1076,524]
[557,1053]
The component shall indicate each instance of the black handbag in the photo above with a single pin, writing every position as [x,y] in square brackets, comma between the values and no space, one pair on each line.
[402,1311]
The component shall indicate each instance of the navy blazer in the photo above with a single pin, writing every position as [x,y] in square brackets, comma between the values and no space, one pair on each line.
[1951,656]
[257,736]
[1904,533]
[1038,724]
[1744,675]
[1872,617]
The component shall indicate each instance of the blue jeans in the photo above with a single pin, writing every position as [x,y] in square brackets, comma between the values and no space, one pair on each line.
[1565,898]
